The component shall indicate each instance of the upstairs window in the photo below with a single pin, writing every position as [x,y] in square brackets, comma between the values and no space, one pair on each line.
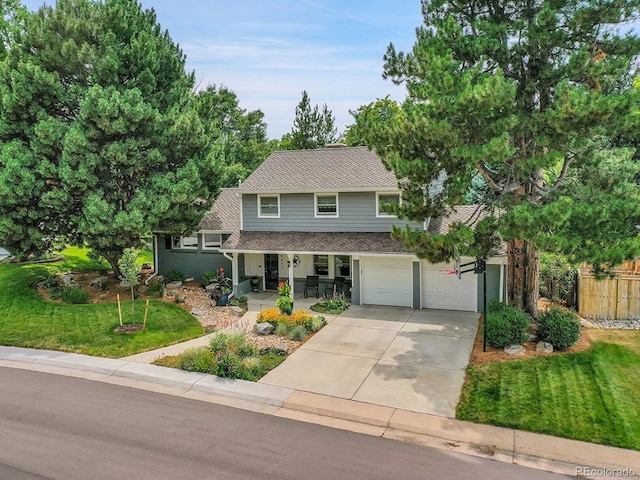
[269,206]
[326,205]
[212,241]
[385,199]
[186,243]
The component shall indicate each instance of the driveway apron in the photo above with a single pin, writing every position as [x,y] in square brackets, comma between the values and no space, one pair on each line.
[391,356]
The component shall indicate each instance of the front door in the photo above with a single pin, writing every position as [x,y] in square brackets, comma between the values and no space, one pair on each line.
[271,273]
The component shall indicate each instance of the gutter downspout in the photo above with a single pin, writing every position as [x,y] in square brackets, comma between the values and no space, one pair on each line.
[155,259]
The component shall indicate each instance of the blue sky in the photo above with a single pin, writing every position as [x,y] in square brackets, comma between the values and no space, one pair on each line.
[269,51]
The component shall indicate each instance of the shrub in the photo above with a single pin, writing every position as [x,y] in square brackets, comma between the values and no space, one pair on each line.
[49,282]
[208,278]
[229,365]
[55,293]
[285,304]
[236,342]
[557,278]
[298,333]
[174,276]
[74,295]
[271,315]
[242,298]
[301,317]
[331,305]
[198,360]
[155,288]
[281,330]
[272,351]
[317,323]
[506,326]
[559,327]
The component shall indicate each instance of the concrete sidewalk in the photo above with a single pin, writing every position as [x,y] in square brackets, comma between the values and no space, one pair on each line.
[523,448]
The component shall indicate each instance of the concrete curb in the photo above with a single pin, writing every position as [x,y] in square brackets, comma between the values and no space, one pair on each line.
[503,444]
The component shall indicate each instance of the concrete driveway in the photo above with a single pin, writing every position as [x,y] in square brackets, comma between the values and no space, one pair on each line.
[392,356]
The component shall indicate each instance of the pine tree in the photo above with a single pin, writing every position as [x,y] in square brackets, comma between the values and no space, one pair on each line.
[531,96]
[312,128]
[100,142]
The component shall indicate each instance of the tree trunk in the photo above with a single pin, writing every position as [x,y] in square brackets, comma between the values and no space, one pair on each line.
[523,278]
[114,266]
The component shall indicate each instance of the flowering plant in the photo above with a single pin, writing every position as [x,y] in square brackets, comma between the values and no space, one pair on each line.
[284,289]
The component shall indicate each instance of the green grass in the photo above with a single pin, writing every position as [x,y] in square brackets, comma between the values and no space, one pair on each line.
[28,320]
[590,396]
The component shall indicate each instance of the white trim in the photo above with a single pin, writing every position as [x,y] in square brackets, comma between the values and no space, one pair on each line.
[181,243]
[382,214]
[241,211]
[259,201]
[322,190]
[204,241]
[315,205]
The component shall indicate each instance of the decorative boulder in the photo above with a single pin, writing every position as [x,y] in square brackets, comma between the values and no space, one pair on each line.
[544,347]
[283,348]
[514,350]
[197,313]
[173,285]
[100,283]
[68,281]
[263,328]
[212,286]
[237,311]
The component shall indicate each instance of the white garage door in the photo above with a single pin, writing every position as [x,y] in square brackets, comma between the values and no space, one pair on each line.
[386,281]
[443,291]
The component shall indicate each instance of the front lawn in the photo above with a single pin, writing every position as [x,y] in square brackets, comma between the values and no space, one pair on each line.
[590,396]
[27,320]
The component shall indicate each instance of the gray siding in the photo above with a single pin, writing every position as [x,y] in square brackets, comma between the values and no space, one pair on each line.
[192,263]
[417,285]
[356,210]
[493,286]
[355,278]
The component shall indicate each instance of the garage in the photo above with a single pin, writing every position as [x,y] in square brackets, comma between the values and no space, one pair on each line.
[386,281]
[447,292]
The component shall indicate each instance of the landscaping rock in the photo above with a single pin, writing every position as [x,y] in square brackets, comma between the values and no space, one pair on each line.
[237,310]
[532,337]
[283,348]
[197,313]
[514,350]
[100,283]
[264,328]
[68,281]
[173,285]
[544,347]
[212,286]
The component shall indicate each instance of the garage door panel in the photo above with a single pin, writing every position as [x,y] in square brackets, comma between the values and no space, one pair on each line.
[387,281]
[444,291]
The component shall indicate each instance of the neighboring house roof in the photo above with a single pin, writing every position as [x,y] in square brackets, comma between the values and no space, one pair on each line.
[325,169]
[315,242]
[469,214]
[224,214]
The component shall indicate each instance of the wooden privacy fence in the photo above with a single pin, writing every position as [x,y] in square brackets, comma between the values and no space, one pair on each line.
[611,299]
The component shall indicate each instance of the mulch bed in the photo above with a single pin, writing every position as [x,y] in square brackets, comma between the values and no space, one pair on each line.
[129,328]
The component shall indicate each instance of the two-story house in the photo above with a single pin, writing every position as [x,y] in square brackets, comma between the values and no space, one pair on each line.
[320,212]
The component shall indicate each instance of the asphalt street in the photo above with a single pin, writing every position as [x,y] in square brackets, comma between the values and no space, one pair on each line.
[56,427]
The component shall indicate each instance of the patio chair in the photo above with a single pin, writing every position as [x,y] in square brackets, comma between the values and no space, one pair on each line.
[313,282]
[337,287]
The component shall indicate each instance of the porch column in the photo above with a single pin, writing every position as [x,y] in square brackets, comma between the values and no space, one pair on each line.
[290,263]
[235,275]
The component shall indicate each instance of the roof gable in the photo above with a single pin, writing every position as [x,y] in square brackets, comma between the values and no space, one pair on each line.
[325,169]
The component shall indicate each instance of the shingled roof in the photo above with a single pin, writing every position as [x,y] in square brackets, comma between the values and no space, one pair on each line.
[325,169]
[225,212]
[314,242]
[469,214]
